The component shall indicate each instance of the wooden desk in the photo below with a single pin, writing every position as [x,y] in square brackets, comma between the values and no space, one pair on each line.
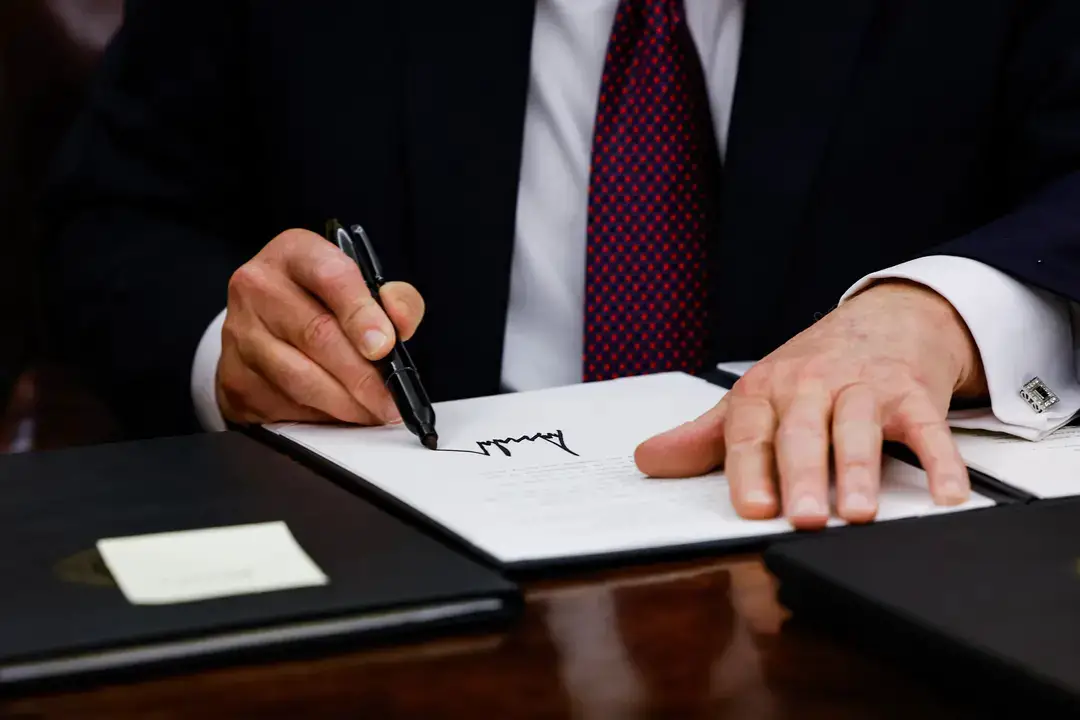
[687,640]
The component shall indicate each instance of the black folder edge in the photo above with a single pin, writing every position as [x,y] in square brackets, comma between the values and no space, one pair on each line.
[954,666]
[998,491]
[473,626]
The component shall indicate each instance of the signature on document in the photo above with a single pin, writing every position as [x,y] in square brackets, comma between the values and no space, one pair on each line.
[554,438]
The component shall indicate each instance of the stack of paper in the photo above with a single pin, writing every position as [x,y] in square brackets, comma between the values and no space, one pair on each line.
[1049,468]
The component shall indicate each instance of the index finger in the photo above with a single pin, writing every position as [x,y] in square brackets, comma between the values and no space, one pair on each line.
[323,270]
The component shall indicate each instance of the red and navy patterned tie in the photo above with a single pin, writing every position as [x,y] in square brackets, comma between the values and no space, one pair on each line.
[652,196]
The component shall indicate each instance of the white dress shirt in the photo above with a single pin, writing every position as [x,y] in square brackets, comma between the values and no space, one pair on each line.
[1021,333]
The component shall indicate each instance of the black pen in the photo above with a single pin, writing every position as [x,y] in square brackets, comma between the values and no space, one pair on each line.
[397,368]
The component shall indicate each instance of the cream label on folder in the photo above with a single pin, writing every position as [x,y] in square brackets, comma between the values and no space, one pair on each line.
[190,565]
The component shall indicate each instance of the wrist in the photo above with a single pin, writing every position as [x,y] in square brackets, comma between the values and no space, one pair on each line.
[942,336]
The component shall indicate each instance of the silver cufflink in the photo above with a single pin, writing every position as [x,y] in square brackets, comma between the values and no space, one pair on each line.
[1038,395]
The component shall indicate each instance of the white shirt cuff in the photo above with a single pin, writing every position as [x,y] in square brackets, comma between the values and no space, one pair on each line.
[204,377]
[1021,332]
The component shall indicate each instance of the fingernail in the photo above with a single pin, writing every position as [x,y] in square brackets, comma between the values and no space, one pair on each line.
[807,506]
[373,340]
[952,490]
[760,498]
[859,503]
[391,414]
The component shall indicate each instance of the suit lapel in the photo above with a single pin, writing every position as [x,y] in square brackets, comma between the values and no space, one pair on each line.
[466,86]
[797,67]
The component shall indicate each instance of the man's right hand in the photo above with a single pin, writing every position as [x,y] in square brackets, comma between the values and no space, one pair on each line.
[301,333]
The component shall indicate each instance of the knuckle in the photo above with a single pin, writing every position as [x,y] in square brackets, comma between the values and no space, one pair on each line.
[918,411]
[805,481]
[229,384]
[925,426]
[756,382]
[233,392]
[857,392]
[857,433]
[230,333]
[896,380]
[246,348]
[744,437]
[367,383]
[859,462]
[320,333]
[750,452]
[748,419]
[856,404]
[821,364]
[247,278]
[364,311]
[291,240]
[795,428]
[810,376]
[332,277]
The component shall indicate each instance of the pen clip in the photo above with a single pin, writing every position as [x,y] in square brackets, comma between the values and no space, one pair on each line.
[364,256]
[369,253]
[336,234]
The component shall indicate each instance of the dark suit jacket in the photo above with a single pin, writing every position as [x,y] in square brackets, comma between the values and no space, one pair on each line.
[865,133]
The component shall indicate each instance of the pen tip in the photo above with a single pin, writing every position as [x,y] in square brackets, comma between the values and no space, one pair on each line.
[431,441]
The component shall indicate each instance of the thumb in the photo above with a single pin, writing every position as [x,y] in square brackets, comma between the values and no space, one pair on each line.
[691,449]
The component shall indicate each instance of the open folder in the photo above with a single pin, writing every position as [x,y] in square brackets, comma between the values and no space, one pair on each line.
[548,477]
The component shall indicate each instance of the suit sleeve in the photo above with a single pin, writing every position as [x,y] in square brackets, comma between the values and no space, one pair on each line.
[1021,332]
[1038,243]
[143,209]
[1016,280]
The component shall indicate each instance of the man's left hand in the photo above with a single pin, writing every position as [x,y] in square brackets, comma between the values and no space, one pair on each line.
[883,366]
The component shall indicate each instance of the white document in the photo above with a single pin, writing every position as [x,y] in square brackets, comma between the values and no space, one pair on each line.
[550,473]
[1049,468]
[190,565]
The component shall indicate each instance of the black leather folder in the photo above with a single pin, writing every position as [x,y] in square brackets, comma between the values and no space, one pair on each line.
[987,604]
[62,616]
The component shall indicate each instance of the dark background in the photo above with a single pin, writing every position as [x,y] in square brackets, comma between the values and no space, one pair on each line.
[48,48]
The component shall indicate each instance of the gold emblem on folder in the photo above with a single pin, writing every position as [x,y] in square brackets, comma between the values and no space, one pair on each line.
[84,568]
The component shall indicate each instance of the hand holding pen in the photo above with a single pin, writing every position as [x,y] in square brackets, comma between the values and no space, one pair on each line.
[396,368]
[302,333]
